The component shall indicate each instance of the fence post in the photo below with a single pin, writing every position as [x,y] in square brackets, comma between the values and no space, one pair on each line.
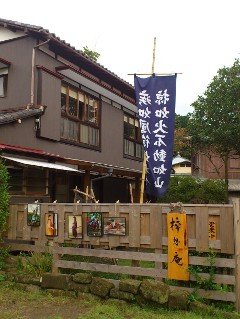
[236,211]
[55,258]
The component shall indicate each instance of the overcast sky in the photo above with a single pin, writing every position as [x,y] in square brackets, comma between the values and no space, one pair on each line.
[193,37]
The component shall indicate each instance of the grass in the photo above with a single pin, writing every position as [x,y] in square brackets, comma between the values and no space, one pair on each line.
[19,304]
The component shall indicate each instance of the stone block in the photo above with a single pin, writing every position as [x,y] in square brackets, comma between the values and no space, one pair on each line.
[56,281]
[78,287]
[154,291]
[27,279]
[129,285]
[101,287]
[82,278]
[178,300]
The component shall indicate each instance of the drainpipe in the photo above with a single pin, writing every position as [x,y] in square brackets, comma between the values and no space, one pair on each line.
[33,69]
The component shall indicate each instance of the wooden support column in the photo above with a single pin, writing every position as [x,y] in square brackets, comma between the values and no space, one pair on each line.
[86,181]
[236,207]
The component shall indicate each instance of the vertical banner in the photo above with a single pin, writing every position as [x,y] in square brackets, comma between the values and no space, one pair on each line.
[177,246]
[155,98]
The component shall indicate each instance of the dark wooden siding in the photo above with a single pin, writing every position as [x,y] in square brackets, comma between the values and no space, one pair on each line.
[19,53]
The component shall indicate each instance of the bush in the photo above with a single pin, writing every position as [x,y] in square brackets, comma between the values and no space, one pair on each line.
[35,263]
[4,196]
[187,189]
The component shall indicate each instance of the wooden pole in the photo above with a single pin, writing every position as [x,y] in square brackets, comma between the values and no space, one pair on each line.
[144,158]
[236,206]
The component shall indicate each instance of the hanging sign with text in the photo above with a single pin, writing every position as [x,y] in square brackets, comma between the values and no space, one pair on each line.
[155,97]
[177,246]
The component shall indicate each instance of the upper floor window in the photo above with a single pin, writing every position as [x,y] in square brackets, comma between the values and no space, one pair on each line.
[132,137]
[80,117]
[3,81]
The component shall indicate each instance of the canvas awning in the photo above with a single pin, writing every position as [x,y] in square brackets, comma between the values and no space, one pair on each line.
[41,164]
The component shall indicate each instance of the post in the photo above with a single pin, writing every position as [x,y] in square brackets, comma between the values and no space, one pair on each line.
[144,158]
[236,214]
[56,258]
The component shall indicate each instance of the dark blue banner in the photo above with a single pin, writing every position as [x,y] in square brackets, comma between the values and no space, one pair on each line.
[155,98]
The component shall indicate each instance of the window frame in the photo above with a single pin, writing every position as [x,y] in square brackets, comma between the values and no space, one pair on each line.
[3,85]
[81,117]
[25,179]
[132,135]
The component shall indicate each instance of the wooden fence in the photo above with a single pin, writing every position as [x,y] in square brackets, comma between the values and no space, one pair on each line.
[145,240]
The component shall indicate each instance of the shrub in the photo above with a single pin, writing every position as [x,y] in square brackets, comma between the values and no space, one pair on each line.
[4,196]
[187,189]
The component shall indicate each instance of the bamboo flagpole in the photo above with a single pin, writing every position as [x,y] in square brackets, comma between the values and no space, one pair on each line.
[144,168]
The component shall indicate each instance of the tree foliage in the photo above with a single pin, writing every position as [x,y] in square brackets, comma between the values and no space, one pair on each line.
[91,54]
[215,122]
[4,196]
[182,141]
[187,189]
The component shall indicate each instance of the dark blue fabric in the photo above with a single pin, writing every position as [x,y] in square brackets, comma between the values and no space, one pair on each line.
[155,98]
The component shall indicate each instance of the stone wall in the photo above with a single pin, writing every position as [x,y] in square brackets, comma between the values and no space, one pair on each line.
[141,292]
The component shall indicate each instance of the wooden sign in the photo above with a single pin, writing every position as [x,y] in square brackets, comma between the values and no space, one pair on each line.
[212,230]
[177,246]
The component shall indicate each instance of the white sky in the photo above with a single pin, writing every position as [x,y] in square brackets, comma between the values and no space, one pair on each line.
[193,37]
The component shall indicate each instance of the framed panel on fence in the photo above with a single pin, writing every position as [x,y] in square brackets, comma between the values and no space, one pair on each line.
[75,229]
[33,214]
[94,224]
[51,224]
[114,226]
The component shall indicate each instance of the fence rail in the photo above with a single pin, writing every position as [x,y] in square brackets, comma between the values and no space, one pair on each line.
[145,240]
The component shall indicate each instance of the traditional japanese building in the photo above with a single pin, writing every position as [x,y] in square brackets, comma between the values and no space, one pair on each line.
[65,121]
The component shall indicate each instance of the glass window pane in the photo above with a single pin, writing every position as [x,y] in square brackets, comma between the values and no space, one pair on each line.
[84,134]
[93,136]
[73,131]
[73,94]
[126,129]
[129,147]
[92,108]
[132,131]
[63,102]
[139,150]
[1,86]
[64,128]
[81,110]
[72,106]
[16,179]
[81,97]
[36,181]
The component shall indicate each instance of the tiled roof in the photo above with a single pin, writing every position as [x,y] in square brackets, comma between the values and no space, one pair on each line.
[26,151]
[28,28]
[178,160]
[15,114]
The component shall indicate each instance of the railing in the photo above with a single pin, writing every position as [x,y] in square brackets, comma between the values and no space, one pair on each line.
[145,240]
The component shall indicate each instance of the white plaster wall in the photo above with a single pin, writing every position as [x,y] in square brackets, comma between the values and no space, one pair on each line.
[6,34]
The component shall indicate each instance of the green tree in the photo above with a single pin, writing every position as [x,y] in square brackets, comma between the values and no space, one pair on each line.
[91,54]
[215,122]
[187,189]
[181,121]
[182,141]
[4,196]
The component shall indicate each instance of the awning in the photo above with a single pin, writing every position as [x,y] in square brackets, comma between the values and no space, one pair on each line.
[41,164]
